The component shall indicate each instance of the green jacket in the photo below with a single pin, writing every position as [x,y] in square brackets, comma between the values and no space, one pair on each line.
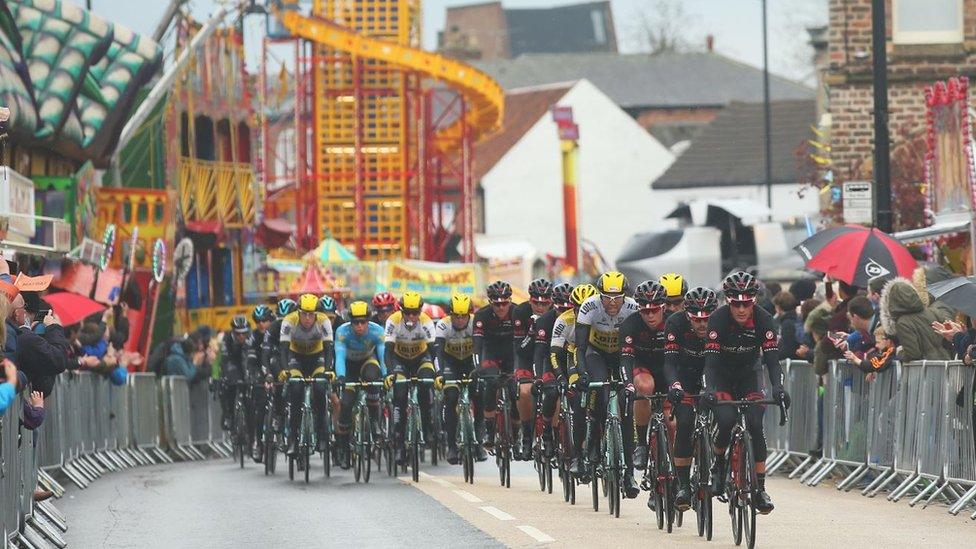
[904,315]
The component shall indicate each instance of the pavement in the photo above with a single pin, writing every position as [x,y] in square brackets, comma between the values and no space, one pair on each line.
[216,504]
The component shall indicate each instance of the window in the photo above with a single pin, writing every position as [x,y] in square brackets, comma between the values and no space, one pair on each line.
[927,21]
[599,30]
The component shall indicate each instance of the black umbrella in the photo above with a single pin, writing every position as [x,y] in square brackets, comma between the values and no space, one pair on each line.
[958,293]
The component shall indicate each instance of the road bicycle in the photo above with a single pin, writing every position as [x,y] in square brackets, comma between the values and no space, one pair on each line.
[269,435]
[565,450]
[415,429]
[361,435]
[610,463]
[308,440]
[659,474]
[503,445]
[239,434]
[465,436]
[701,465]
[740,483]
[542,454]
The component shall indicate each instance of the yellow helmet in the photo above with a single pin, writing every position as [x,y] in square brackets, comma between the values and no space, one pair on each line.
[612,282]
[358,309]
[308,303]
[674,284]
[581,293]
[411,301]
[460,304]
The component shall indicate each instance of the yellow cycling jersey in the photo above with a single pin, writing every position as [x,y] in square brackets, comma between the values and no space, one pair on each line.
[564,331]
[409,342]
[604,328]
[306,341]
[458,344]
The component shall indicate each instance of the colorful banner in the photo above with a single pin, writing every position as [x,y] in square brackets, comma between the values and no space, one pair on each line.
[109,286]
[434,281]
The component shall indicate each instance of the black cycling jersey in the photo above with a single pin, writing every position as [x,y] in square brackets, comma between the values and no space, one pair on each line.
[272,342]
[641,347]
[736,349]
[493,336]
[684,353]
[542,336]
[522,315]
[255,346]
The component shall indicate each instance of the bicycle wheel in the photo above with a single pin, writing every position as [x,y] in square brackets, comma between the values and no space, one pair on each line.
[747,468]
[594,486]
[548,467]
[239,431]
[367,450]
[732,490]
[665,475]
[537,462]
[415,460]
[308,460]
[654,466]
[702,495]
[326,455]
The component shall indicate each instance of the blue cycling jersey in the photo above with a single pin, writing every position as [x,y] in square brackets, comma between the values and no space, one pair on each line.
[354,348]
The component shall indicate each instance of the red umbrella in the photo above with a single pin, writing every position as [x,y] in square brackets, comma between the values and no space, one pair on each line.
[856,254]
[72,308]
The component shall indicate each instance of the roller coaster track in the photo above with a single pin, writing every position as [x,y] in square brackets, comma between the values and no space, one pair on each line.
[484,96]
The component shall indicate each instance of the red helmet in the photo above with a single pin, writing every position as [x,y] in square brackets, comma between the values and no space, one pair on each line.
[384,301]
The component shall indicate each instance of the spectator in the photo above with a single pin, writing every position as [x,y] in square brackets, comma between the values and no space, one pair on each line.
[769,292]
[838,319]
[33,413]
[8,385]
[43,356]
[864,323]
[803,290]
[803,337]
[824,350]
[93,339]
[785,305]
[905,316]
[875,285]
[878,359]
[178,362]
[959,335]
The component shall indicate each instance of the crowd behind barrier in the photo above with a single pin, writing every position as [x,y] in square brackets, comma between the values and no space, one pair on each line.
[907,430]
[91,428]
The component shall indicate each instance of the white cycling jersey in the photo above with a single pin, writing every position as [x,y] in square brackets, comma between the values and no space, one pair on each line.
[564,331]
[603,327]
[409,342]
[458,344]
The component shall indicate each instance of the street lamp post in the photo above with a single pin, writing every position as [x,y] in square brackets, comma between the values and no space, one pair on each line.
[766,116]
[882,171]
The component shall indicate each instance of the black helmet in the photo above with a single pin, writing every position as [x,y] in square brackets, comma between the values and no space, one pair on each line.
[262,313]
[740,286]
[701,302]
[499,291]
[540,287]
[560,293]
[650,293]
[239,325]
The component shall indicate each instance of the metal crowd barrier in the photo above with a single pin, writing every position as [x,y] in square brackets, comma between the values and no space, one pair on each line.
[92,427]
[909,431]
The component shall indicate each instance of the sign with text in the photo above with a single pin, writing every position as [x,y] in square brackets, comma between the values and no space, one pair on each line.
[858,202]
[436,282]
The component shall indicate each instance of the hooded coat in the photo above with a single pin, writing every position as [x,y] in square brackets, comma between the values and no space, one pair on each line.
[905,316]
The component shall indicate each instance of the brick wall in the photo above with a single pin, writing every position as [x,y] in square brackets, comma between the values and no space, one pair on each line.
[480,27]
[910,69]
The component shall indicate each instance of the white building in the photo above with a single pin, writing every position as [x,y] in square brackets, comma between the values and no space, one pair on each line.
[520,176]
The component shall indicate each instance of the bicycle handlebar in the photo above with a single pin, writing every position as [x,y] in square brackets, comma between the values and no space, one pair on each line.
[783,412]
[415,380]
[353,384]
[306,380]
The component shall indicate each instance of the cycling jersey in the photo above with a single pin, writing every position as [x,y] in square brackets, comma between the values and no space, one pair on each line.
[357,349]
[684,353]
[642,349]
[302,340]
[522,329]
[458,344]
[604,329]
[738,347]
[562,346]
[542,336]
[409,342]
[493,337]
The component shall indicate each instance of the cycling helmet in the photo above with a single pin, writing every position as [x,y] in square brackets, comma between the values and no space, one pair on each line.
[675,284]
[650,294]
[239,325]
[286,306]
[460,304]
[411,301]
[499,291]
[740,286]
[700,302]
[308,303]
[612,282]
[326,305]
[358,309]
[561,293]
[262,313]
[540,287]
[581,293]
[384,301]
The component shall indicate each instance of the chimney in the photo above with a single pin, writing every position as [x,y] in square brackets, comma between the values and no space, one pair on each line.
[710,43]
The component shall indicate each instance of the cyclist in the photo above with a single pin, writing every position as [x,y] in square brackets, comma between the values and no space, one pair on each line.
[271,353]
[328,306]
[677,287]
[409,335]
[494,353]
[359,356]
[563,357]
[305,349]
[525,314]
[598,355]
[455,345]
[684,362]
[257,371]
[384,303]
[642,360]
[739,335]
[545,374]
[233,353]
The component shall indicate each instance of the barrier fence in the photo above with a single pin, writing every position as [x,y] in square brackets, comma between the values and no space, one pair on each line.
[909,431]
[92,427]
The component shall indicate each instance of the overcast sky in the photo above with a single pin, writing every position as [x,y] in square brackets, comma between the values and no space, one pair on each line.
[735,24]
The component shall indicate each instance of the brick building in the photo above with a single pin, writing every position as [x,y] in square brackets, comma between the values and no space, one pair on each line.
[927,40]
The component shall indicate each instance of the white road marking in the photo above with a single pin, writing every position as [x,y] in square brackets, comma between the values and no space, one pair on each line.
[536,534]
[468,496]
[437,480]
[497,513]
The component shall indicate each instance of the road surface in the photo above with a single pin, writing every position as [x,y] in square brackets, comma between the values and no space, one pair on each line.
[215,504]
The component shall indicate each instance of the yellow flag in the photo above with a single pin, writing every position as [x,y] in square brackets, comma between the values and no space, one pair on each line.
[282,85]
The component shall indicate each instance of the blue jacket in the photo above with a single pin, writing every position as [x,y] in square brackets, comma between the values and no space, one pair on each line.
[7,395]
[349,346]
[177,363]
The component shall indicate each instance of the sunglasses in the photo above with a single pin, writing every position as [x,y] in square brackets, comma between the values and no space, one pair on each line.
[541,300]
[359,321]
[499,303]
[736,304]
[411,313]
[698,319]
[651,309]
[613,298]
[676,300]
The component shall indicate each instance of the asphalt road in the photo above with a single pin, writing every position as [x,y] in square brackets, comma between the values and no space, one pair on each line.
[215,504]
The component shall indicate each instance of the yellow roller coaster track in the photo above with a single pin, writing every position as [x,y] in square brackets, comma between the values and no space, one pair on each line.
[485,97]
